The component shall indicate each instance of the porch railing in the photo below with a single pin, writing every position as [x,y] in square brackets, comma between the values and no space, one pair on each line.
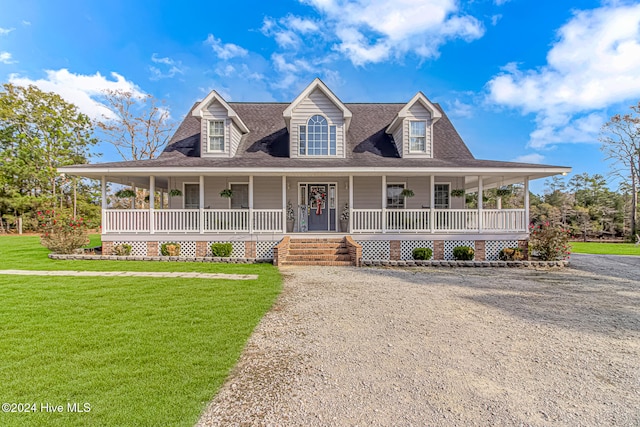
[504,220]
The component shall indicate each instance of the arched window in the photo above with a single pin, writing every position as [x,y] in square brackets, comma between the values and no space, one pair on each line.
[317,138]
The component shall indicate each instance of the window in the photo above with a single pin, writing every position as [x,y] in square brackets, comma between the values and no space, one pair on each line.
[441,196]
[216,135]
[192,196]
[417,136]
[317,138]
[394,197]
[240,198]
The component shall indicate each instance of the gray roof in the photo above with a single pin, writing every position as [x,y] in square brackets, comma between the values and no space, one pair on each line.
[267,143]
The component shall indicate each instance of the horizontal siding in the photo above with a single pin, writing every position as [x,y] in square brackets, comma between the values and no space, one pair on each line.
[316,103]
[236,135]
[267,192]
[417,112]
[215,111]
[398,138]
[367,192]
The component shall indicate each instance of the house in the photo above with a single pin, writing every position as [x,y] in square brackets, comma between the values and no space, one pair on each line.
[317,160]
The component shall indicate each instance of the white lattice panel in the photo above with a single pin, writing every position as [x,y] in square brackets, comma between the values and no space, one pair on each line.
[137,248]
[450,244]
[237,252]
[407,247]
[264,250]
[375,249]
[187,249]
[493,248]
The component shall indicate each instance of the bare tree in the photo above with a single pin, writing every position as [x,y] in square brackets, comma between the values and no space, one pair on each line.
[141,128]
[620,138]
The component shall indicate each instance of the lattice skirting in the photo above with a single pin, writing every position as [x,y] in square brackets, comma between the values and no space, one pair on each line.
[450,244]
[407,247]
[375,249]
[137,248]
[186,248]
[264,250]
[237,252]
[493,248]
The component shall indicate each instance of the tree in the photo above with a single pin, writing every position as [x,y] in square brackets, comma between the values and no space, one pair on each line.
[39,132]
[620,138]
[141,127]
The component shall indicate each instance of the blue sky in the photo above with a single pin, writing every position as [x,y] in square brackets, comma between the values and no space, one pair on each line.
[520,79]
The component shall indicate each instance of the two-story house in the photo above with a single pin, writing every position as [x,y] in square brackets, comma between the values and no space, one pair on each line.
[391,176]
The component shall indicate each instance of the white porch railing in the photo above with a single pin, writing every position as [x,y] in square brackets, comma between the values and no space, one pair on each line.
[366,220]
[267,220]
[179,221]
[504,220]
[125,221]
[226,220]
[455,219]
[407,220]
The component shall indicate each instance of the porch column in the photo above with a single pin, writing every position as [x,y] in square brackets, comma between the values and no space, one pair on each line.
[384,202]
[133,199]
[103,187]
[284,204]
[201,203]
[251,204]
[526,203]
[432,202]
[152,194]
[480,193]
[350,204]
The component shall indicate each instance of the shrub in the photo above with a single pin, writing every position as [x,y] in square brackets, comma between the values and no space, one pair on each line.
[122,249]
[170,249]
[550,242]
[511,254]
[60,233]
[221,249]
[463,253]
[422,253]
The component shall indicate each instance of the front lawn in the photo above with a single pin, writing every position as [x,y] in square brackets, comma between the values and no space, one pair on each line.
[605,248]
[138,351]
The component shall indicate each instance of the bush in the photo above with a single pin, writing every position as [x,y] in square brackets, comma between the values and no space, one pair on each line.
[511,254]
[463,253]
[122,249]
[221,249]
[60,233]
[170,249]
[422,253]
[549,242]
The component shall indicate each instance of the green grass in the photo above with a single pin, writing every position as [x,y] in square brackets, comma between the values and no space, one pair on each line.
[140,351]
[605,248]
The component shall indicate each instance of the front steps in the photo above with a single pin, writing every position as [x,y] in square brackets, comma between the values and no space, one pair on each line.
[303,251]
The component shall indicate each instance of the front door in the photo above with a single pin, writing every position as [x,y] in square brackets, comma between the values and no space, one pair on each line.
[318,218]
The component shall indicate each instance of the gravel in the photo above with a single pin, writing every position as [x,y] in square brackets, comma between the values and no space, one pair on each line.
[440,346]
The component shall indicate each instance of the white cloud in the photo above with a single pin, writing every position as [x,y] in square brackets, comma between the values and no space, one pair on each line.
[529,158]
[371,31]
[4,31]
[594,64]
[172,67]
[82,90]
[460,109]
[5,58]
[26,23]
[225,50]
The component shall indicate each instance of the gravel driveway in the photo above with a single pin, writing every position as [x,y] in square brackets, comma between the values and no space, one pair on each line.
[427,346]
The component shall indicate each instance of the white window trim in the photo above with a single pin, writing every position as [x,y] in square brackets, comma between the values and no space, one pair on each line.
[235,183]
[448,184]
[426,125]
[404,187]
[184,193]
[306,139]
[224,136]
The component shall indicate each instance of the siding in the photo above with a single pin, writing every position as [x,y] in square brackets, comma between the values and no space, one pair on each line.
[215,111]
[316,103]
[398,138]
[236,135]
[267,192]
[367,192]
[416,112]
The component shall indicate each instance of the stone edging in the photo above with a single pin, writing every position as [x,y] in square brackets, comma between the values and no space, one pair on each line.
[476,264]
[158,258]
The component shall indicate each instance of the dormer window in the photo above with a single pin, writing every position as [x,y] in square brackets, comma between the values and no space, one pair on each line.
[417,136]
[317,137]
[216,135]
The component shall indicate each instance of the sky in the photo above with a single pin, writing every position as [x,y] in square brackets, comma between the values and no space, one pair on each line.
[521,80]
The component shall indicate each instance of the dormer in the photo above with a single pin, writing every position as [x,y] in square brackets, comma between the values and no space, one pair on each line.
[221,127]
[412,127]
[318,123]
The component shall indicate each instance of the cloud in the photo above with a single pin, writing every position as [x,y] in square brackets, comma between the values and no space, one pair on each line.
[460,109]
[225,51]
[172,68]
[4,31]
[288,31]
[373,31]
[595,64]
[82,90]
[529,158]
[5,58]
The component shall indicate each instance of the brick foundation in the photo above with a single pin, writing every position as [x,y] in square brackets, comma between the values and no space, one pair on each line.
[280,251]
[355,251]
[152,249]
[394,250]
[107,248]
[480,252]
[438,249]
[249,249]
[524,246]
[201,249]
